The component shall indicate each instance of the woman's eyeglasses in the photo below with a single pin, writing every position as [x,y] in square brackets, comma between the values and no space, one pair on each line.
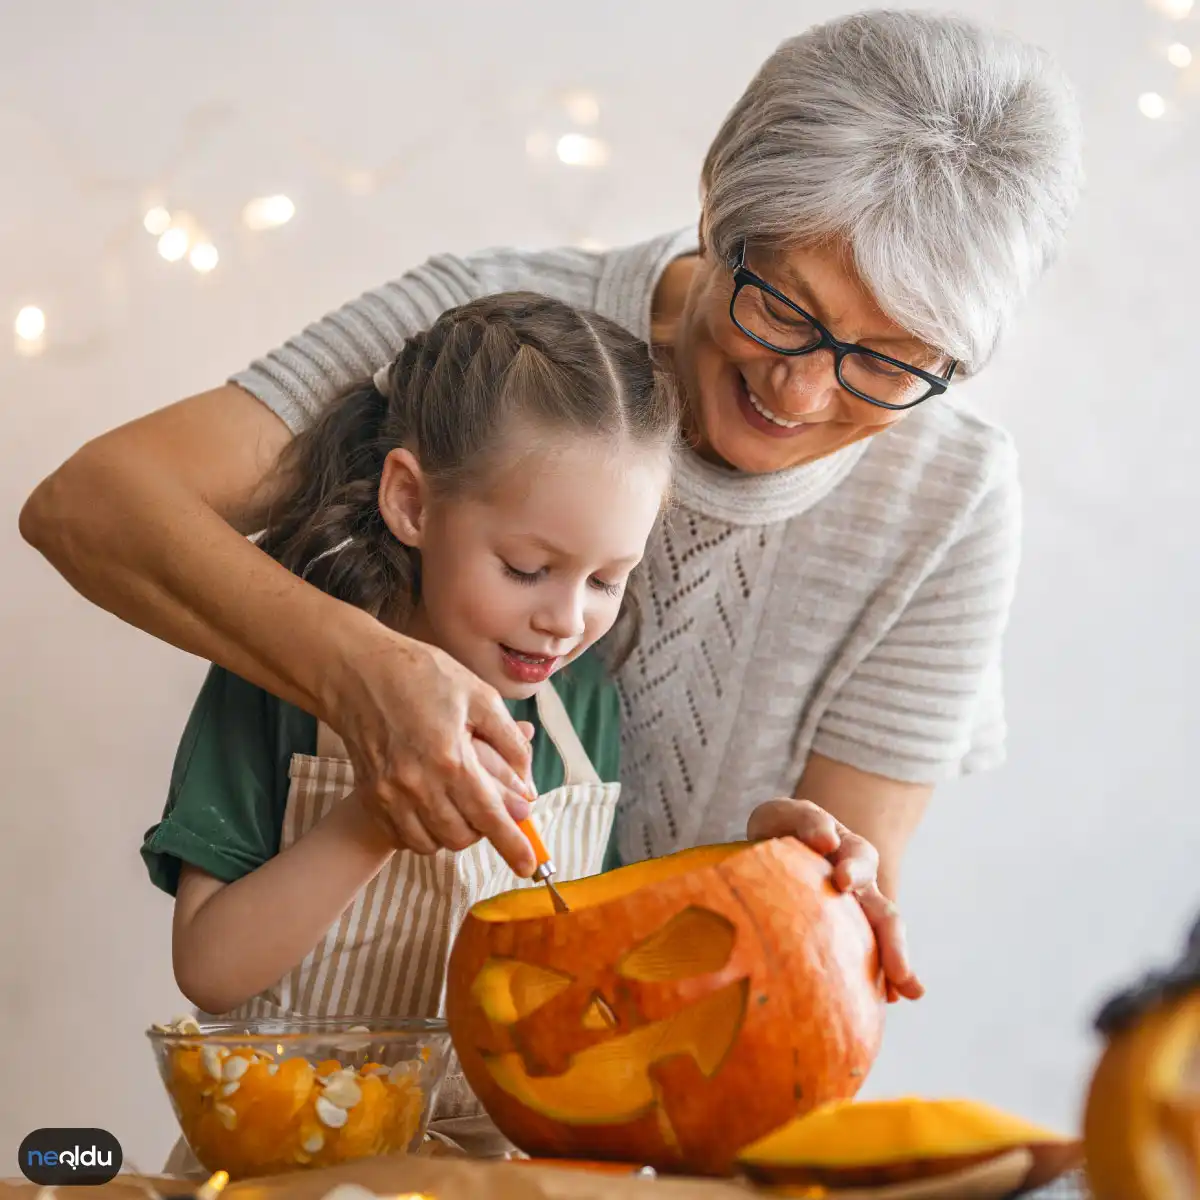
[765,315]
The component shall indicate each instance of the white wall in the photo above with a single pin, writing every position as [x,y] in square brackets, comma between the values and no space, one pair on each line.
[1029,892]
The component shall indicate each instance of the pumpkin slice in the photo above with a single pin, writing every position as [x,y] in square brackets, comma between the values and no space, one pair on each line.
[882,1142]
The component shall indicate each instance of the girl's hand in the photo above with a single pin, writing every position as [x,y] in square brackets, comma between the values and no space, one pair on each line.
[413,720]
[855,869]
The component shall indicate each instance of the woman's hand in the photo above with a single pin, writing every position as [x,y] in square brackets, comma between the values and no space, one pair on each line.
[855,869]
[438,760]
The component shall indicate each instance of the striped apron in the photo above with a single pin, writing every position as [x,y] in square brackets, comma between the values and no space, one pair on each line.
[386,956]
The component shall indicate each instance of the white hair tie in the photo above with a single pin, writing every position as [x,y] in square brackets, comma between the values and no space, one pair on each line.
[312,562]
[380,378]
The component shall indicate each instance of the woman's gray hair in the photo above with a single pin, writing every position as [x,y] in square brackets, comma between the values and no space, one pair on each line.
[946,155]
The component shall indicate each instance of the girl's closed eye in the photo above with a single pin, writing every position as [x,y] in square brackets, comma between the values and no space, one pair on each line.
[532,577]
[529,577]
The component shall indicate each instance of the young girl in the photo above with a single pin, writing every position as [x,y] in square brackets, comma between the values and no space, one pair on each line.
[490,493]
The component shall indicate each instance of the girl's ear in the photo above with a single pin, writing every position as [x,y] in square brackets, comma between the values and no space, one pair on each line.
[404,497]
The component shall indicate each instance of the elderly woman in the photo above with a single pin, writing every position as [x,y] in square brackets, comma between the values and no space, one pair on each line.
[824,608]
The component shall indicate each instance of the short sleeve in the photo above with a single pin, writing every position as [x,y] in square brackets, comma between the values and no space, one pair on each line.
[296,380]
[229,784]
[926,704]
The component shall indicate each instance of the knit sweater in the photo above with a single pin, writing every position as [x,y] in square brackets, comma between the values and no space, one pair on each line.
[853,606]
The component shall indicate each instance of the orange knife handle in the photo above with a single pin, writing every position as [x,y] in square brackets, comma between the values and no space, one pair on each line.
[539,850]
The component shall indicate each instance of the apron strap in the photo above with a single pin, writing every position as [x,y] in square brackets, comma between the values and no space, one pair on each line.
[329,744]
[577,767]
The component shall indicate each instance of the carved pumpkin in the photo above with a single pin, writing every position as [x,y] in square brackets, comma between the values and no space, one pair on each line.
[1142,1120]
[886,1142]
[743,985]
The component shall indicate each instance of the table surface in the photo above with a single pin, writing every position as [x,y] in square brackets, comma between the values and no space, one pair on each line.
[453,1179]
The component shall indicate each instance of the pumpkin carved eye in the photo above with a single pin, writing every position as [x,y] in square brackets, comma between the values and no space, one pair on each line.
[508,991]
[696,942]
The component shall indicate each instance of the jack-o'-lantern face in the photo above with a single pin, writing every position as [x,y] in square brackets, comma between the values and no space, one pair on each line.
[604,1074]
[681,1007]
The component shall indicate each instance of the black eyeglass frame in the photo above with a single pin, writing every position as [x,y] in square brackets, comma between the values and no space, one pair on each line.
[743,277]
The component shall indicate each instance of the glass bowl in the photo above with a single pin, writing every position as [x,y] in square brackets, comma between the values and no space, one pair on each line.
[268,1096]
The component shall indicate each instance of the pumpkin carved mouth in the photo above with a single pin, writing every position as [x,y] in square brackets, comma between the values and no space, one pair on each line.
[612,1081]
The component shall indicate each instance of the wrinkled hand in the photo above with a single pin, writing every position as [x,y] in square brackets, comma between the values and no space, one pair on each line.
[855,869]
[438,760]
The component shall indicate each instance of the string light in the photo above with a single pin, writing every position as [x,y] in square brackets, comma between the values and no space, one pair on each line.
[579,150]
[1176,9]
[173,244]
[1152,105]
[30,331]
[157,221]
[569,125]
[204,257]
[30,323]
[268,212]
[213,1186]
[566,121]
[1178,55]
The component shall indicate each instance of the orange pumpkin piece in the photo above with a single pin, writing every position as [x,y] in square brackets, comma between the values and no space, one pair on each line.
[284,1094]
[249,1131]
[404,1116]
[1142,1117]
[365,1126]
[188,1070]
[745,987]
[882,1142]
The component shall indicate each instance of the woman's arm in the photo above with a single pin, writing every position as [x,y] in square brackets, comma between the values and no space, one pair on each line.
[231,941]
[148,522]
[884,812]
